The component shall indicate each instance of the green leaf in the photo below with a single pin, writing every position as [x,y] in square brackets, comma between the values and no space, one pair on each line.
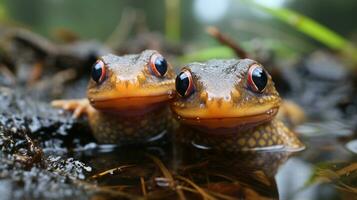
[309,27]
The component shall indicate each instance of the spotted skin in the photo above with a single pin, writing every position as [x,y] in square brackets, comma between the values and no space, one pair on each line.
[269,136]
[223,113]
[112,128]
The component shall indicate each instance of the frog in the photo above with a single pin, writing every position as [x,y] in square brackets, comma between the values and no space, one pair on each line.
[127,98]
[230,105]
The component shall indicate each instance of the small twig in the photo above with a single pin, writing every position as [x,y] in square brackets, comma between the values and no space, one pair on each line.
[115,187]
[110,171]
[219,195]
[204,194]
[167,174]
[195,166]
[163,169]
[225,40]
[96,188]
[122,29]
[143,186]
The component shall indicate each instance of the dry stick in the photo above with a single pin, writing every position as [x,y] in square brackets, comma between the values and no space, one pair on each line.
[96,188]
[225,40]
[219,195]
[115,187]
[143,186]
[223,176]
[195,166]
[346,188]
[203,193]
[111,171]
[122,29]
[167,175]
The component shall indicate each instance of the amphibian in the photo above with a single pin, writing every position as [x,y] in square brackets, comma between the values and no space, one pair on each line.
[127,98]
[231,105]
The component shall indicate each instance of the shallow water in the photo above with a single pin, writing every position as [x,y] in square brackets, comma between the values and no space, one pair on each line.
[326,169]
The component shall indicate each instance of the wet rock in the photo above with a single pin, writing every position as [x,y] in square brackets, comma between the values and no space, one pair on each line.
[40,121]
[27,128]
[322,85]
[38,182]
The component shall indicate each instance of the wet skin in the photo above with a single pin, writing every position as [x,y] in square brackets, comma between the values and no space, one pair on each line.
[231,104]
[127,98]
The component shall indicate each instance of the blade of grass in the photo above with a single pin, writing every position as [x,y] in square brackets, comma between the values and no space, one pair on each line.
[311,28]
[172,20]
[3,13]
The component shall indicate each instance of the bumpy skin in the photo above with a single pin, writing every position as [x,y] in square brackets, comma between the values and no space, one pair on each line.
[130,104]
[117,129]
[130,84]
[227,114]
[268,136]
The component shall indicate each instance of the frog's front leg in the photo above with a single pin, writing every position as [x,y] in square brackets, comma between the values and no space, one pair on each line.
[77,106]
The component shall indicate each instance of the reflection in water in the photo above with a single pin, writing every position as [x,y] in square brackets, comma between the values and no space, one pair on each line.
[248,175]
[182,171]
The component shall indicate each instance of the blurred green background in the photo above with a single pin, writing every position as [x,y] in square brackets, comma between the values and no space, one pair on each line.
[184,21]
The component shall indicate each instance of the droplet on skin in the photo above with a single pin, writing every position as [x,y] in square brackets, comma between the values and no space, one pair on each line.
[269,112]
[171,94]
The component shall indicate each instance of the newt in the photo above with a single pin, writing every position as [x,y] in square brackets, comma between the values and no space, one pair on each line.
[127,98]
[231,106]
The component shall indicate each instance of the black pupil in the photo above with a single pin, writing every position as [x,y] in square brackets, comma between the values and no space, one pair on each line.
[260,78]
[182,82]
[97,71]
[161,65]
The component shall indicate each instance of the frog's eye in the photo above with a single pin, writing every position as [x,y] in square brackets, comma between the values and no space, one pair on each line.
[257,78]
[98,71]
[158,65]
[184,83]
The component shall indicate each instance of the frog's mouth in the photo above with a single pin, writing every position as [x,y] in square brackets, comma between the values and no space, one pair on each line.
[131,98]
[228,123]
[131,105]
